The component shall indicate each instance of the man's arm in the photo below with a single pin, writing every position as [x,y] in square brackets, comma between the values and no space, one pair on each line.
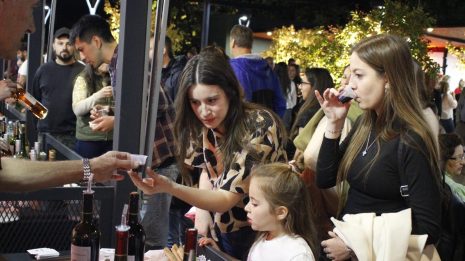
[22,175]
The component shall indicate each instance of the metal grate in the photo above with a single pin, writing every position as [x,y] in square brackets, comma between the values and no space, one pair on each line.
[34,223]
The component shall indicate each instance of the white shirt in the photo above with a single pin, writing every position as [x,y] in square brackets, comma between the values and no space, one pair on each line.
[23,68]
[283,248]
[291,97]
[449,103]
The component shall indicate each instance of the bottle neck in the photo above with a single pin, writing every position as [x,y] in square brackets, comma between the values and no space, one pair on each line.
[133,218]
[87,207]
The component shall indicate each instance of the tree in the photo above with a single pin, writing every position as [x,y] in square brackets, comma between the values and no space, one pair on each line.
[329,47]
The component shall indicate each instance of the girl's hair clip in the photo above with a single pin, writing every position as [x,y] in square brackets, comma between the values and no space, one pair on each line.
[293,167]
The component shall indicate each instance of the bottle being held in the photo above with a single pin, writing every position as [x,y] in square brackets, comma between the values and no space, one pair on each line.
[190,249]
[85,238]
[28,101]
[136,242]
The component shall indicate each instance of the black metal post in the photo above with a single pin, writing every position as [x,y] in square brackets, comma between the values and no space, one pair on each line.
[51,30]
[205,23]
[132,68]
[35,45]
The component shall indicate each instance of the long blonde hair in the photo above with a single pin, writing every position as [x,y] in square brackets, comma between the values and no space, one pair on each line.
[284,187]
[389,55]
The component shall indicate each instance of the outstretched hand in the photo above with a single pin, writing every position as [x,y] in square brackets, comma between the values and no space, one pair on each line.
[154,183]
[105,167]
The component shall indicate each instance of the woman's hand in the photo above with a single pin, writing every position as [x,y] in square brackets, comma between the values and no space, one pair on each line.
[206,241]
[102,124]
[332,107]
[335,248]
[153,184]
[105,92]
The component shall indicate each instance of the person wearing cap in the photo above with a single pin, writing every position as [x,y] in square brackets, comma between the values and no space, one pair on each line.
[53,86]
[22,175]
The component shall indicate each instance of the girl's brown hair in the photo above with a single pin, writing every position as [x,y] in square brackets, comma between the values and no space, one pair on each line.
[284,187]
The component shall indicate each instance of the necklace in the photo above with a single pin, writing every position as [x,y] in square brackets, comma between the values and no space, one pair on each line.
[367,147]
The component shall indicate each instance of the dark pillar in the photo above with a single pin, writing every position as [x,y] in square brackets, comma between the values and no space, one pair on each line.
[35,45]
[132,70]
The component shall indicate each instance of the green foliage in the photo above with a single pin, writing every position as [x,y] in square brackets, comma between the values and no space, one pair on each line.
[183,25]
[329,47]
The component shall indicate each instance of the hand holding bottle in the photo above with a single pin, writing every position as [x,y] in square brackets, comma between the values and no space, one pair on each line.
[7,89]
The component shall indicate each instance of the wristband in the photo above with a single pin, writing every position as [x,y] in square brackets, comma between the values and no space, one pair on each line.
[86,168]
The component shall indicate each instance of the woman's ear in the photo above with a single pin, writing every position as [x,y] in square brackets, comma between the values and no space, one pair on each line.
[281,212]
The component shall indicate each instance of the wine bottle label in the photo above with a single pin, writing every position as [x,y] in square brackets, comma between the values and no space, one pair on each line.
[131,258]
[30,98]
[79,253]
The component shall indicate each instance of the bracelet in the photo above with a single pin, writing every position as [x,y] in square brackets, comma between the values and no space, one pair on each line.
[334,131]
[86,168]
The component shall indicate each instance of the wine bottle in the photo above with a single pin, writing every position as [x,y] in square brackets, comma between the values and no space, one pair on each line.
[22,137]
[136,241]
[190,249]
[28,101]
[85,238]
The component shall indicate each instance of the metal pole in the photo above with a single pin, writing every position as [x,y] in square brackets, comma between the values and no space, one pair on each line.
[444,61]
[205,23]
[51,30]
[35,45]
[132,73]
[161,19]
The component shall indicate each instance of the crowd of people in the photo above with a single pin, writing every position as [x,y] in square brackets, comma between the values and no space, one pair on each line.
[269,154]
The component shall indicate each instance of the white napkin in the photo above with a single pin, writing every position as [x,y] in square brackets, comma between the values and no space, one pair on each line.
[43,253]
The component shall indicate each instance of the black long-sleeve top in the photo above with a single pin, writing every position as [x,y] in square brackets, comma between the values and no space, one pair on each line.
[379,191]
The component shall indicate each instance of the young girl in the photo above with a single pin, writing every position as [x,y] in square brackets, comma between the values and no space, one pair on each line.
[280,209]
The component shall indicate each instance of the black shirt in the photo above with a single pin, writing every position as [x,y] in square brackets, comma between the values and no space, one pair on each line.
[53,86]
[378,191]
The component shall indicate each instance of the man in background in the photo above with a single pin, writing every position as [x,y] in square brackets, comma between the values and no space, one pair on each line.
[260,83]
[53,86]
[22,175]
[92,38]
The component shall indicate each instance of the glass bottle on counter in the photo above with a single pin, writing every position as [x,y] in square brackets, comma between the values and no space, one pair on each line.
[85,238]
[136,242]
[28,101]
[22,153]
[190,249]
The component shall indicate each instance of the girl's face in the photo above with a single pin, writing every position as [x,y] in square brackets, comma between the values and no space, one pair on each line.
[259,213]
[210,105]
[455,163]
[345,78]
[305,87]
[292,72]
[368,84]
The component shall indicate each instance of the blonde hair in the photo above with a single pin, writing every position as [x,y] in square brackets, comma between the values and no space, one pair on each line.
[284,187]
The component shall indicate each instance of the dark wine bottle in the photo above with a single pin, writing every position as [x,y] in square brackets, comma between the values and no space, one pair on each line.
[136,241]
[85,238]
[190,249]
